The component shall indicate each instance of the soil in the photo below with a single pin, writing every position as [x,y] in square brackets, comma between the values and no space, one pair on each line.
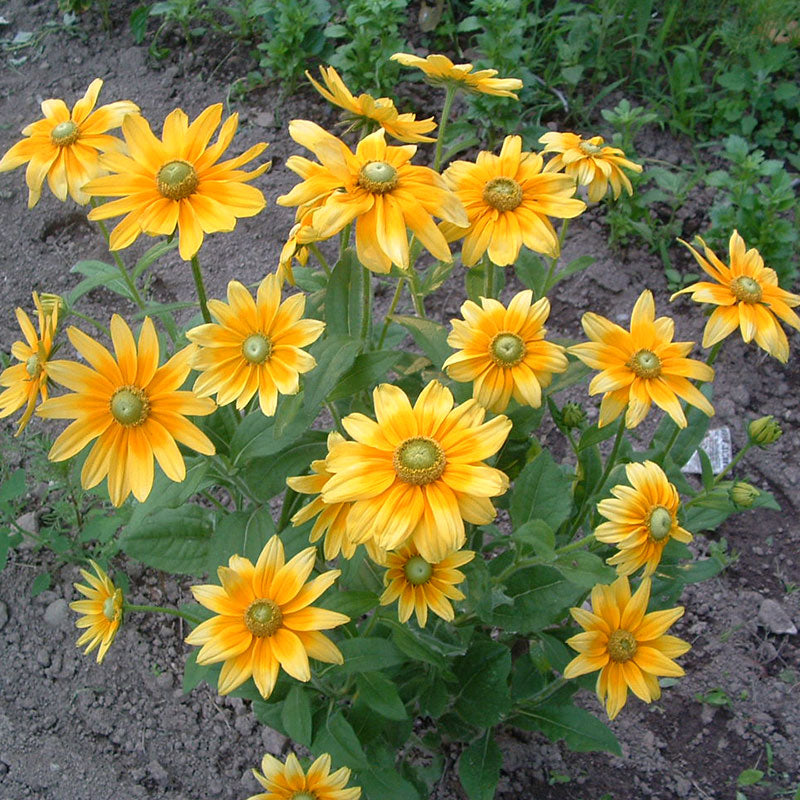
[73,730]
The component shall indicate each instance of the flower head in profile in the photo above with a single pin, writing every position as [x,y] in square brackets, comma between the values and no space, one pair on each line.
[629,646]
[641,366]
[503,351]
[642,519]
[376,187]
[27,381]
[264,619]
[255,346]
[366,111]
[178,181]
[748,297]
[287,781]
[102,611]
[419,585]
[590,162]
[65,146]
[441,71]
[417,473]
[131,406]
[509,201]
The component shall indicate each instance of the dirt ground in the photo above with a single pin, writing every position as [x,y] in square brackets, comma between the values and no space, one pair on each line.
[73,730]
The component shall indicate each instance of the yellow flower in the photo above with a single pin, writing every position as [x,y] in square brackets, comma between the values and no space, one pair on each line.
[642,519]
[176,181]
[503,351]
[377,188]
[441,71]
[366,109]
[255,347]
[65,147]
[289,782]
[418,472]
[421,585]
[508,200]
[626,644]
[102,612]
[748,297]
[264,620]
[590,162]
[642,366]
[291,250]
[28,379]
[131,406]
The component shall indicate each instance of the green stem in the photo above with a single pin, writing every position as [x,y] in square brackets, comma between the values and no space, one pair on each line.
[336,418]
[323,262]
[366,306]
[737,458]
[201,289]
[488,277]
[126,607]
[344,240]
[448,103]
[102,328]
[554,261]
[419,304]
[576,545]
[392,306]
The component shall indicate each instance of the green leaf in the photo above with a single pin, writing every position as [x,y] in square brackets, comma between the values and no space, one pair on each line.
[258,436]
[4,548]
[368,369]
[542,491]
[338,738]
[242,533]
[430,337]
[367,654]
[531,270]
[381,695]
[351,603]
[749,777]
[13,486]
[343,297]
[40,583]
[575,266]
[97,273]
[484,695]
[296,715]
[335,355]
[152,255]
[582,731]
[539,536]
[584,569]
[594,435]
[385,784]
[194,674]
[479,768]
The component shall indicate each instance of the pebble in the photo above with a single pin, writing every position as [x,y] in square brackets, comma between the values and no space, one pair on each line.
[3,615]
[57,613]
[264,119]
[43,657]
[273,740]
[774,618]
[158,773]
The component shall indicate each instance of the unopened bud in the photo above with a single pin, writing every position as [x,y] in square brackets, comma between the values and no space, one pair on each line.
[50,302]
[764,431]
[744,494]
[573,415]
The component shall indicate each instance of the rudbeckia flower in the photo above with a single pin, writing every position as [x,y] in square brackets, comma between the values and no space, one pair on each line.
[641,366]
[627,645]
[508,201]
[289,782]
[102,611]
[177,181]
[65,147]
[748,297]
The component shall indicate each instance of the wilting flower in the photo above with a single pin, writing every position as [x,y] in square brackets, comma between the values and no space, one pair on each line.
[255,347]
[441,71]
[419,585]
[590,162]
[264,619]
[365,109]
[642,366]
[642,519]
[65,147]
[102,612]
[508,201]
[503,351]
[377,188]
[289,782]
[627,645]
[131,406]
[418,472]
[28,380]
[748,297]
[176,182]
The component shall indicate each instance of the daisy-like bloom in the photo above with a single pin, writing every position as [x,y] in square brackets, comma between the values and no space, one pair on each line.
[102,612]
[641,366]
[642,519]
[131,406]
[254,346]
[419,585]
[441,71]
[626,644]
[590,162]
[418,472]
[65,147]
[176,182]
[748,297]
[503,351]
[508,201]
[264,619]
[379,189]
[27,380]
[289,782]
[365,110]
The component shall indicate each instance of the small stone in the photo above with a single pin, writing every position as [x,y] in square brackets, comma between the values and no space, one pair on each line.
[29,522]
[57,613]
[158,773]
[274,742]
[164,680]
[774,618]
[3,615]
[264,119]
[43,657]
[244,724]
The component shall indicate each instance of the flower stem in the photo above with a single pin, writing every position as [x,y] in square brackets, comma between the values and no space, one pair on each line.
[448,103]
[737,458]
[323,262]
[344,240]
[366,306]
[554,261]
[162,610]
[392,306]
[488,277]
[576,545]
[201,289]
[419,304]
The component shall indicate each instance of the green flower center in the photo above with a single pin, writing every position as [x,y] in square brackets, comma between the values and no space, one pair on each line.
[130,406]
[257,348]
[592,146]
[65,133]
[659,523]
[645,364]
[263,617]
[303,796]
[33,366]
[419,460]
[377,177]
[746,290]
[504,194]
[176,180]
[109,610]
[621,646]
[418,570]
[507,349]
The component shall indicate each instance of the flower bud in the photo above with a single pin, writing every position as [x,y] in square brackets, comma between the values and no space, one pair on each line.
[50,302]
[573,415]
[743,494]
[764,431]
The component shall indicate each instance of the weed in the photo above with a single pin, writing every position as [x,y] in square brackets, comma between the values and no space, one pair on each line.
[715,697]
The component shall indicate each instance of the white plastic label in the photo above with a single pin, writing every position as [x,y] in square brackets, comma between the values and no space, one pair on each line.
[717,445]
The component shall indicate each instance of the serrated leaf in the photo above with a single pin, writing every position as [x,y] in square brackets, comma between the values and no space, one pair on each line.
[541,491]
